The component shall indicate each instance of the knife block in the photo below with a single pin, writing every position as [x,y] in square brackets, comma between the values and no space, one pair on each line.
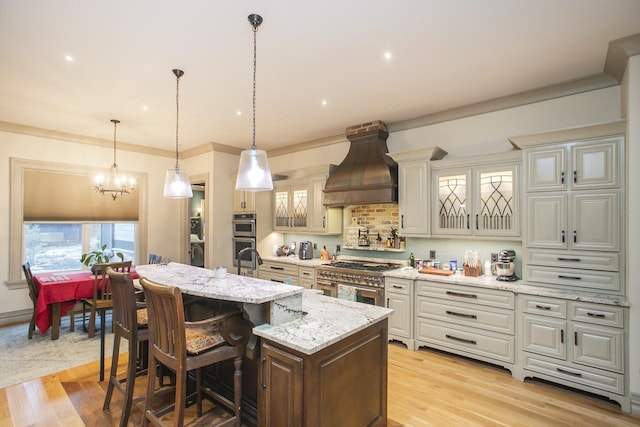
[473,271]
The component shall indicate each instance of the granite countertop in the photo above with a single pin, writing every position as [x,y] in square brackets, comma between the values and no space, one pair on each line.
[201,282]
[326,321]
[517,287]
[296,261]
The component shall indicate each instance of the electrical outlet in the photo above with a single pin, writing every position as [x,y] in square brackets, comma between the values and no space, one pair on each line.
[315,245]
[494,257]
[432,255]
[337,248]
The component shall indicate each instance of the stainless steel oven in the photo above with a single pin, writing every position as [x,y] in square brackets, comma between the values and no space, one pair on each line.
[244,225]
[249,259]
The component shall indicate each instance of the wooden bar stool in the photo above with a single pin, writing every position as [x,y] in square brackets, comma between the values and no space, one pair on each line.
[129,322]
[184,346]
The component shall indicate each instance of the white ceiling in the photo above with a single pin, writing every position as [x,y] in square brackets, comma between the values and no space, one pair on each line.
[445,54]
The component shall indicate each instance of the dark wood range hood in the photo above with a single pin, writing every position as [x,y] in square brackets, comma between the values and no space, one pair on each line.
[367,174]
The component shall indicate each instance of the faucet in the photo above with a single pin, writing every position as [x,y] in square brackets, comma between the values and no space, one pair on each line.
[242,252]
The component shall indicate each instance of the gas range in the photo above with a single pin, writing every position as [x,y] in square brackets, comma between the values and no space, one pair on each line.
[366,273]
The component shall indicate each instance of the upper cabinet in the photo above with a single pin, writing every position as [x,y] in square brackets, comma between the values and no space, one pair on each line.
[244,201]
[298,204]
[574,166]
[478,198]
[413,189]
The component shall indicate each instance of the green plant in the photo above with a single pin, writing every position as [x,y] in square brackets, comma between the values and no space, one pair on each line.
[100,256]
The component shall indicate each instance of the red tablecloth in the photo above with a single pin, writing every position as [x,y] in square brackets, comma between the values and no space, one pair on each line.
[65,289]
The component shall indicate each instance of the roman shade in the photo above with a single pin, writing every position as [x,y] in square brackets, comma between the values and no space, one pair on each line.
[59,196]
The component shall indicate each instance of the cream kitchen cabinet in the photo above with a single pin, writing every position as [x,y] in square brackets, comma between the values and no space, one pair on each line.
[585,220]
[322,219]
[414,195]
[291,206]
[399,297]
[307,277]
[282,272]
[578,344]
[244,201]
[578,165]
[470,321]
[481,199]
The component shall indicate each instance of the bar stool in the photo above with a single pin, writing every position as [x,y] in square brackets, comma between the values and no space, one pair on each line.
[129,322]
[184,346]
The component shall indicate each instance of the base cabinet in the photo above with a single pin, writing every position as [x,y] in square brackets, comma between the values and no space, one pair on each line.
[281,272]
[344,384]
[578,344]
[473,322]
[399,297]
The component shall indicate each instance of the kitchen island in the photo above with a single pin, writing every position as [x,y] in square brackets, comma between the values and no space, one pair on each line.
[311,360]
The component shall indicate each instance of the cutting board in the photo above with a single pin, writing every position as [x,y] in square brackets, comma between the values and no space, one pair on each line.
[436,271]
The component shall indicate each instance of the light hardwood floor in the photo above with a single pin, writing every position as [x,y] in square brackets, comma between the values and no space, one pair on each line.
[426,388]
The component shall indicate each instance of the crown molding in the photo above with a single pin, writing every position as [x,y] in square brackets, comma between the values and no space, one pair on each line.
[618,55]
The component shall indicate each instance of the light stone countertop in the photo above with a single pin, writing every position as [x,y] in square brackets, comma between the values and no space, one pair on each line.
[201,282]
[327,321]
[295,260]
[518,287]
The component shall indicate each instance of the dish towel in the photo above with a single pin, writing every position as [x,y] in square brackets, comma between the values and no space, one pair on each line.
[346,292]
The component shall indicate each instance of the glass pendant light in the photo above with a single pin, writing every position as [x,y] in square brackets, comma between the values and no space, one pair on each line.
[176,183]
[253,171]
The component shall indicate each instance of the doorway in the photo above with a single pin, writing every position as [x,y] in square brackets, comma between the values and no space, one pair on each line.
[197,226]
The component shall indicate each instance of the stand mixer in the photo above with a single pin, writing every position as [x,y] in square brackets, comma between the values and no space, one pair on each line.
[506,267]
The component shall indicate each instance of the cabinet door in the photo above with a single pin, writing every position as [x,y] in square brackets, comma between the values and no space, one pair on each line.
[547,221]
[546,169]
[291,209]
[599,347]
[452,211]
[595,165]
[280,394]
[496,201]
[244,201]
[413,196]
[281,209]
[595,221]
[545,336]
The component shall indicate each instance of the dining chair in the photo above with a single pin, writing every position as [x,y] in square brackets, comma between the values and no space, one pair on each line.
[33,294]
[185,346]
[101,300]
[129,321]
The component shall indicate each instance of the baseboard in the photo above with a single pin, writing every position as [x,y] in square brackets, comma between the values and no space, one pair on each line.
[635,404]
[13,317]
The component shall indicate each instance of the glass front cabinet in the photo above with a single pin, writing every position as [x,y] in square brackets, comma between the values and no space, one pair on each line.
[481,200]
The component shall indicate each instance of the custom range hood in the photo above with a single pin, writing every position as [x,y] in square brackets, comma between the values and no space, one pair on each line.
[367,174]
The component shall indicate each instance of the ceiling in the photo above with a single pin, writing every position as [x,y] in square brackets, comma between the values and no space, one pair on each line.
[444,55]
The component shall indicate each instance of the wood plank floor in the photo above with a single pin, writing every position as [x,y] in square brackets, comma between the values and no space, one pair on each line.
[426,388]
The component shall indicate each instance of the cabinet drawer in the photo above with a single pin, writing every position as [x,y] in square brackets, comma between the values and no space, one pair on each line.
[602,380]
[470,340]
[606,261]
[461,293]
[277,277]
[279,268]
[599,314]
[398,286]
[573,278]
[497,320]
[544,306]
[307,273]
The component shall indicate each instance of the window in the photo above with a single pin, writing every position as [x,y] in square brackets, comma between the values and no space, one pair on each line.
[51,247]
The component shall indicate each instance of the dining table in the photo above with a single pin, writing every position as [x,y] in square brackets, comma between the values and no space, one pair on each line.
[58,293]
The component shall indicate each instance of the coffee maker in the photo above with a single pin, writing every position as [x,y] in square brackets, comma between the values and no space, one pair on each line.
[506,266]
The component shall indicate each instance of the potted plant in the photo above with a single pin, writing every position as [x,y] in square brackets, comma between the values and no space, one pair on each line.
[99,256]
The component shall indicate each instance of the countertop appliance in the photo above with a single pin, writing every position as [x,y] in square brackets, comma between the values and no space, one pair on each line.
[306,250]
[359,280]
[506,267]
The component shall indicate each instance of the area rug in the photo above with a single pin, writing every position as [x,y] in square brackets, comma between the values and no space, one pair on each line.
[23,359]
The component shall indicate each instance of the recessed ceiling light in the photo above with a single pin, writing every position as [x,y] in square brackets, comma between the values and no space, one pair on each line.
[388,56]
[324,102]
[145,107]
[69,58]
[238,113]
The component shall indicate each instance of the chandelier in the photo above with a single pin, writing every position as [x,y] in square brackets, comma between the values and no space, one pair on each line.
[176,183]
[253,170]
[113,183]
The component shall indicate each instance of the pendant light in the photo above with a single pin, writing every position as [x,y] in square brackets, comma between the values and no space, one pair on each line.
[176,183]
[253,171]
[113,183]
